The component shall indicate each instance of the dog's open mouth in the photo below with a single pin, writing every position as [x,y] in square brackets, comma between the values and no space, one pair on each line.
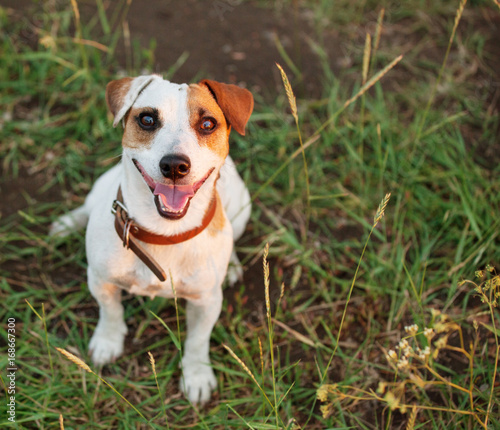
[172,201]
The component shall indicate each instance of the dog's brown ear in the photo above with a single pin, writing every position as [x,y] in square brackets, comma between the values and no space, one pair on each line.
[122,93]
[236,103]
[116,92]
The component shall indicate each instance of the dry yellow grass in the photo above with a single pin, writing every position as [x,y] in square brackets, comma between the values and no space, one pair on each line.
[78,361]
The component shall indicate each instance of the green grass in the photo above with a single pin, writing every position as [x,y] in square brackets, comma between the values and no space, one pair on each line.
[419,141]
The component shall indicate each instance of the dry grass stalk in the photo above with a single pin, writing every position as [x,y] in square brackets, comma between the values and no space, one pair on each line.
[265,265]
[261,356]
[378,30]
[173,288]
[366,57]
[152,361]
[78,361]
[299,336]
[282,294]
[33,309]
[92,43]
[381,209]
[249,372]
[126,36]
[289,93]
[293,107]
[61,422]
[412,419]
[458,16]
[74,5]
[373,81]
[242,364]
[153,366]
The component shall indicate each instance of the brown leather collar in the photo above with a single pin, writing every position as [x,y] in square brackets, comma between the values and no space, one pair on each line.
[129,231]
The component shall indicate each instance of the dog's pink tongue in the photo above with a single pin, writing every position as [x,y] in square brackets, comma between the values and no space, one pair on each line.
[173,197]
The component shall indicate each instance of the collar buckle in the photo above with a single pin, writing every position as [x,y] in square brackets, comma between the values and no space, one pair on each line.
[117,203]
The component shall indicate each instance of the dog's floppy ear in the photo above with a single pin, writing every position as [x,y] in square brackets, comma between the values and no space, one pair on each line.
[122,93]
[236,103]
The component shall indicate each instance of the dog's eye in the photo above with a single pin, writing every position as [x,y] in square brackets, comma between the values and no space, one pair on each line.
[146,121]
[208,124]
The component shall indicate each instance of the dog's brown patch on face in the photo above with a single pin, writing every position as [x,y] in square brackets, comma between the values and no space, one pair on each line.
[134,135]
[219,220]
[202,105]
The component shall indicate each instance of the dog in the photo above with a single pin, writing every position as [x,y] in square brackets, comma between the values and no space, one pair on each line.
[164,220]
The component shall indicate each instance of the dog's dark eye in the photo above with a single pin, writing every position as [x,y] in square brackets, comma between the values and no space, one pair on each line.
[208,124]
[146,121]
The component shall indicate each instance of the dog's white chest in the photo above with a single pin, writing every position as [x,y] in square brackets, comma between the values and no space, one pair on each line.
[192,268]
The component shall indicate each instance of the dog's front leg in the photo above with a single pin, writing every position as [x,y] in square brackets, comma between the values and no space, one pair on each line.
[106,343]
[198,378]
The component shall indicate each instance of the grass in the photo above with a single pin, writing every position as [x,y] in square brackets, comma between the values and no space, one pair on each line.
[320,353]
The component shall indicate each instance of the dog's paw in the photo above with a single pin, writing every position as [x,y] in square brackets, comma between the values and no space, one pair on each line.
[234,274]
[198,382]
[234,270]
[105,347]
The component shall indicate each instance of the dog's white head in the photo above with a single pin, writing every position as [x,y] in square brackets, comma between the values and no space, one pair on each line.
[177,135]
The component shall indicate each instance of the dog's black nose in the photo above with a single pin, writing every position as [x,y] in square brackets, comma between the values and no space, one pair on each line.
[175,166]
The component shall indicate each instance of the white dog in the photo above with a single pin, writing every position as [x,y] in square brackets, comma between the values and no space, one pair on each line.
[164,220]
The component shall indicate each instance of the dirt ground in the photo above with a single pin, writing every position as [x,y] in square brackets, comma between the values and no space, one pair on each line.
[229,40]
[233,41]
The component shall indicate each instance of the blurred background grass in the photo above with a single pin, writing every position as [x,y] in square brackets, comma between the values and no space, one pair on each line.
[432,143]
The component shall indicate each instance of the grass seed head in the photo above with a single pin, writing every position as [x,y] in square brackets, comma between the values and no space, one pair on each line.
[289,93]
[78,361]
[378,30]
[261,354]
[265,266]
[458,16]
[242,364]
[412,419]
[152,361]
[381,209]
